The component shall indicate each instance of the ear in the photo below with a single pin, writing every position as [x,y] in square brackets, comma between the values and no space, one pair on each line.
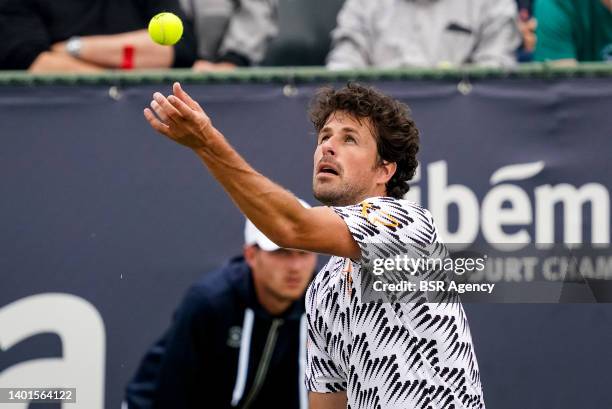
[386,171]
[250,253]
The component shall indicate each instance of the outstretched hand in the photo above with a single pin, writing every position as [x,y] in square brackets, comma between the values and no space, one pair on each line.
[180,118]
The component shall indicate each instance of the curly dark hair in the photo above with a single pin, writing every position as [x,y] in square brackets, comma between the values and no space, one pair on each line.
[394,129]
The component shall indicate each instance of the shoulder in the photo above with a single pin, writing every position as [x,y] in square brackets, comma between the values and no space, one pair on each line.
[386,211]
[500,6]
[410,220]
[366,8]
[386,219]
[555,9]
[220,288]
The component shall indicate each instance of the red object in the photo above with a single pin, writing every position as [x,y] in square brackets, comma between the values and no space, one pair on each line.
[127,63]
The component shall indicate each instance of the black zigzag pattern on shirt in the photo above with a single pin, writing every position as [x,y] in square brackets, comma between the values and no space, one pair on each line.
[406,354]
[415,354]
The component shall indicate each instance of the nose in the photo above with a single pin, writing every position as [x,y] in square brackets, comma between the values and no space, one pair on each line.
[328,147]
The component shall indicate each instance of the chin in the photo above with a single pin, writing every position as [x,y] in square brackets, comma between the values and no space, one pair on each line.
[328,197]
[293,294]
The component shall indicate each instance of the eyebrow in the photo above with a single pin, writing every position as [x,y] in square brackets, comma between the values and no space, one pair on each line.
[344,129]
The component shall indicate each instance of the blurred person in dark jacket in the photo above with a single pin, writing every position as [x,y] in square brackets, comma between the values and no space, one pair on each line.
[87,36]
[238,339]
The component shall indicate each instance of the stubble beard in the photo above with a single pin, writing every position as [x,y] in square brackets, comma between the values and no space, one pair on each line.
[343,195]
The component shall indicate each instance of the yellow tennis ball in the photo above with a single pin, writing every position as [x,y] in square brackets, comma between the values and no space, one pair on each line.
[166,29]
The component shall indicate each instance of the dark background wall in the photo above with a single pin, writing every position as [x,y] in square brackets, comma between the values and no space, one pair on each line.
[93,203]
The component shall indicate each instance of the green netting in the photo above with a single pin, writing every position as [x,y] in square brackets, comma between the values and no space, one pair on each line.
[304,75]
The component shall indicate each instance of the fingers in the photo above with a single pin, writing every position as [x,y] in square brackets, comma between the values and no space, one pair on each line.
[166,107]
[159,111]
[182,108]
[174,118]
[156,123]
[183,96]
[202,66]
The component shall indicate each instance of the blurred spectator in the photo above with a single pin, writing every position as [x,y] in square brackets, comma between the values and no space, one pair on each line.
[574,30]
[238,339]
[231,33]
[87,35]
[425,33]
[304,32]
[527,26]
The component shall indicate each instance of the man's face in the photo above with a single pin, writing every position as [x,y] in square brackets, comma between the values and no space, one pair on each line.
[608,4]
[345,161]
[283,274]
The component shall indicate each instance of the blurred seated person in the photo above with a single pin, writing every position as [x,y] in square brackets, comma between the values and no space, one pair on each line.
[571,31]
[304,28]
[87,36]
[527,26]
[238,339]
[231,33]
[425,33]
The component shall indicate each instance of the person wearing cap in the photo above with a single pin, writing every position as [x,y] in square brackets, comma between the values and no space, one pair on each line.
[238,338]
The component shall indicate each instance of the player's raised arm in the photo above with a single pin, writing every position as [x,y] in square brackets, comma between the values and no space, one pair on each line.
[273,209]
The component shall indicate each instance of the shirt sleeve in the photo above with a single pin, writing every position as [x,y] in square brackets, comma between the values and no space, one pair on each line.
[185,51]
[23,33]
[140,391]
[351,38]
[554,31]
[384,226]
[499,36]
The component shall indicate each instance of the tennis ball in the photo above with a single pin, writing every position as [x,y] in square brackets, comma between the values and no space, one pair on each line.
[166,29]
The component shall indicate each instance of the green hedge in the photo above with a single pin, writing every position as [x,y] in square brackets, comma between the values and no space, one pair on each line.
[297,75]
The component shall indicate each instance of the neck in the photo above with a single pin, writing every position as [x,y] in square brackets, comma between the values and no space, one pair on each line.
[356,199]
[274,307]
[376,193]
